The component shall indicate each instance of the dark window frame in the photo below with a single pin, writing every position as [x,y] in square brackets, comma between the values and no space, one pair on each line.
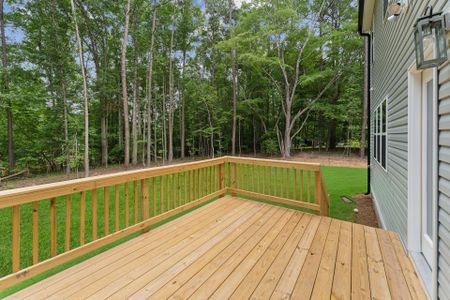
[380,134]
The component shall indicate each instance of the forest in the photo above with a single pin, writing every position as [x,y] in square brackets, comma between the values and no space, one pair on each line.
[88,83]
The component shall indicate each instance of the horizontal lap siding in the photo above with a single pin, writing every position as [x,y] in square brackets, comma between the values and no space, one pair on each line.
[444,184]
[393,55]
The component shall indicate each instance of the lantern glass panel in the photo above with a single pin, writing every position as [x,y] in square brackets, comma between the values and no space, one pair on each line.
[431,48]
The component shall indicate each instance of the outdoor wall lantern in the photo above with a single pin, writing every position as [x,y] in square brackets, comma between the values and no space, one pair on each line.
[430,39]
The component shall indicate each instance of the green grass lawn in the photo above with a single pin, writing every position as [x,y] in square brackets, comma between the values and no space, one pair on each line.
[342,181]
[339,181]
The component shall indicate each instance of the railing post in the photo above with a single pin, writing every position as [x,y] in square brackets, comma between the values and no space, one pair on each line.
[318,193]
[221,176]
[233,178]
[144,200]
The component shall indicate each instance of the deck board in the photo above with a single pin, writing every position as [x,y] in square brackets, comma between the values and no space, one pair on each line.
[240,249]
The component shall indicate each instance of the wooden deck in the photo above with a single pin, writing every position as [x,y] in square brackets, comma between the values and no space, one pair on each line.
[235,248]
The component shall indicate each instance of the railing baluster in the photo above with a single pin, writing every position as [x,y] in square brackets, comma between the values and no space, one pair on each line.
[127,203]
[179,189]
[191,185]
[275,180]
[106,209]
[295,184]
[82,216]
[233,177]
[35,232]
[94,214]
[154,195]
[282,187]
[185,187]
[168,193]
[317,187]
[210,180]
[242,177]
[53,226]
[16,238]
[135,202]
[309,186]
[288,183]
[269,180]
[174,191]
[68,207]
[117,206]
[161,194]
[301,185]
[144,200]
[253,178]
[202,182]
[197,184]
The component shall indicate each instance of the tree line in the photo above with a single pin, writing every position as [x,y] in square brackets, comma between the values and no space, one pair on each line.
[91,83]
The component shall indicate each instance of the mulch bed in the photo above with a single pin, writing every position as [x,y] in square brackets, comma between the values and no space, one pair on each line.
[366,212]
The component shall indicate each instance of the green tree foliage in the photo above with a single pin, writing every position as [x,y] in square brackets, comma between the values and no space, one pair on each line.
[304,54]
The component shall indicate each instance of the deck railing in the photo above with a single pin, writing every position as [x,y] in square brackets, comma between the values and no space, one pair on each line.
[61,221]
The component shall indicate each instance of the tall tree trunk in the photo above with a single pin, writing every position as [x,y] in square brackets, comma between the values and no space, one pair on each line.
[85,93]
[104,132]
[365,99]
[287,141]
[182,112]
[164,133]
[171,94]
[155,151]
[212,130]
[134,129]
[149,87]
[66,126]
[234,79]
[9,114]
[124,85]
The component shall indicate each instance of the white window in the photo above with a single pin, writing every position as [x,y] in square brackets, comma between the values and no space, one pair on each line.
[380,134]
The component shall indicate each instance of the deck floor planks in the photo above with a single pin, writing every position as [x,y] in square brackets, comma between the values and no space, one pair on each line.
[377,274]
[324,281]
[305,281]
[262,239]
[156,238]
[360,272]
[140,288]
[240,249]
[252,278]
[174,278]
[241,262]
[267,285]
[112,281]
[342,273]
[95,280]
[416,287]
[396,280]
[150,288]
[230,247]
[229,286]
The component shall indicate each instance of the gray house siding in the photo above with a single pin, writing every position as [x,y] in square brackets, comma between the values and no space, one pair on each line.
[444,184]
[393,54]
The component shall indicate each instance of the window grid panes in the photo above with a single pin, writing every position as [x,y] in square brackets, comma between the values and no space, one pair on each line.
[380,134]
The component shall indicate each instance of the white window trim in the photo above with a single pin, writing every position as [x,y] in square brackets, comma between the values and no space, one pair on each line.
[376,134]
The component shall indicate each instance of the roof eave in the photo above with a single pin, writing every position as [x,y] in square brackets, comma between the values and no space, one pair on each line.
[365,16]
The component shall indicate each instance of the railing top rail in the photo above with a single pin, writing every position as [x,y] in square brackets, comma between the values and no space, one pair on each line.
[274,162]
[24,195]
